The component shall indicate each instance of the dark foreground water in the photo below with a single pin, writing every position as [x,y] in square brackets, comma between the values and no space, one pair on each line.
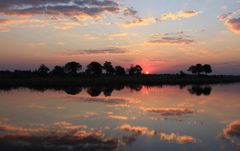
[136,118]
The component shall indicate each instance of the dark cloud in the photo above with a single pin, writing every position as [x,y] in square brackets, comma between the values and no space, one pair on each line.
[169,111]
[72,8]
[59,136]
[130,12]
[103,51]
[172,40]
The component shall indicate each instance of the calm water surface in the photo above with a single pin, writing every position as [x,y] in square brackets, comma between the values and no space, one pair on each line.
[138,118]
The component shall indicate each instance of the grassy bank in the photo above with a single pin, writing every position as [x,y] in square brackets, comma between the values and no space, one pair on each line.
[115,80]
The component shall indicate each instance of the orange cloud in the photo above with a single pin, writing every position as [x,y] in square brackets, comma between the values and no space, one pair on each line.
[67,125]
[177,138]
[233,24]
[116,117]
[138,129]
[63,27]
[231,21]
[179,15]
[232,132]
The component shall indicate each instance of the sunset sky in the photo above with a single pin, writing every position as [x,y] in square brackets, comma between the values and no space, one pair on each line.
[163,36]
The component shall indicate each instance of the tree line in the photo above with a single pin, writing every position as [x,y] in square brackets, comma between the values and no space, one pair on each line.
[199,68]
[74,68]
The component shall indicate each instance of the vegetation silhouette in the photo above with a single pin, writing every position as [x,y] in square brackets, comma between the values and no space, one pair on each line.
[72,68]
[108,67]
[135,70]
[71,74]
[43,70]
[94,68]
[119,70]
[73,90]
[200,90]
[199,68]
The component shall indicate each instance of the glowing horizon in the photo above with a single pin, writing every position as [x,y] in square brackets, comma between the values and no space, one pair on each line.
[159,35]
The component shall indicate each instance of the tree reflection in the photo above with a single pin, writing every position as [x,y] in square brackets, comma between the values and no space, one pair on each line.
[94,91]
[200,90]
[73,90]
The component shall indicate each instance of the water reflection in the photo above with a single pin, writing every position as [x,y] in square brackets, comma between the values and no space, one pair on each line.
[107,91]
[200,90]
[131,118]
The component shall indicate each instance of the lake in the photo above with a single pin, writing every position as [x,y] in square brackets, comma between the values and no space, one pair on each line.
[134,118]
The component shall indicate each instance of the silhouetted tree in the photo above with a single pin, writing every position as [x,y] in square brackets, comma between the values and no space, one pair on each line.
[192,69]
[207,68]
[107,66]
[135,70]
[58,71]
[72,67]
[196,69]
[43,70]
[120,70]
[94,68]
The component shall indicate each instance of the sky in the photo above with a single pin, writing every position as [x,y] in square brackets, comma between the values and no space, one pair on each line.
[163,36]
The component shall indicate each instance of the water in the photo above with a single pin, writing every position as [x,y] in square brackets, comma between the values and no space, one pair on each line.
[135,118]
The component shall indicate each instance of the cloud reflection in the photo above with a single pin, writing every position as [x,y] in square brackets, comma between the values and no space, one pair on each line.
[169,111]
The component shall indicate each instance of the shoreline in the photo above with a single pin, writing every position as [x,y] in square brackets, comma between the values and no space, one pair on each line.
[104,80]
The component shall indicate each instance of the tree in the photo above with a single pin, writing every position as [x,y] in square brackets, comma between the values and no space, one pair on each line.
[58,70]
[43,69]
[135,70]
[198,68]
[120,70]
[107,66]
[94,68]
[72,67]
[207,68]
[192,69]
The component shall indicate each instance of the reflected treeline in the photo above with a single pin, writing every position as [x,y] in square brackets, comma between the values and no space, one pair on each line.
[200,90]
[93,91]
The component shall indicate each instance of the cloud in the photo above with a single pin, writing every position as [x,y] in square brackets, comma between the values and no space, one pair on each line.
[163,136]
[119,35]
[169,111]
[80,140]
[178,138]
[234,24]
[138,129]
[72,8]
[139,22]
[67,125]
[64,27]
[59,136]
[232,133]
[179,15]
[58,11]
[172,40]
[102,51]
[116,117]
[231,21]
